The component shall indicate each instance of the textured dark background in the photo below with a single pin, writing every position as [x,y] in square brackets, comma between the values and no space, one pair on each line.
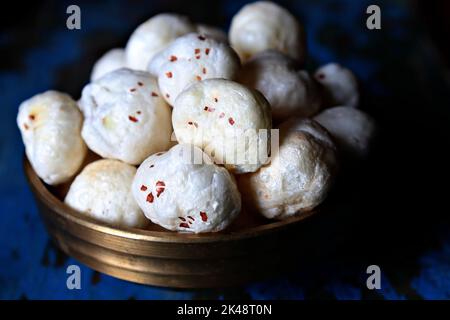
[389,211]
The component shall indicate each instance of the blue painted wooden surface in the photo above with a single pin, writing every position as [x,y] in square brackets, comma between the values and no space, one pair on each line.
[401,77]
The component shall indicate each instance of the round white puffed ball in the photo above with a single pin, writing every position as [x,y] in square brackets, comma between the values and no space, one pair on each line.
[112,60]
[352,129]
[212,32]
[154,35]
[341,87]
[227,120]
[125,116]
[182,190]
[299,175]
[50,124]
[103,191]
[290,92]
[264,25]
[189,59]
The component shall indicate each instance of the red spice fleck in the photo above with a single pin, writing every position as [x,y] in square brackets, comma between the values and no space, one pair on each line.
[199,78]
[209,109]
[140,84]
[190,123]
[132,89]
[160,186]
[202,38]
[222,115]
[216,100]
[143,188]
[152,166]
[32,116]
[25,126]
[204,70]
[321,76]
[154,94]
[184,225]
[173,58]
[192,218]
[150,197]
[190,222]
[197,57]
[159,153]
[231,121]
[167,95]
[169,74]
[193,123]
[204,216]
[133,119]
[182,219]
[207,51]
[197,51]
[138,112]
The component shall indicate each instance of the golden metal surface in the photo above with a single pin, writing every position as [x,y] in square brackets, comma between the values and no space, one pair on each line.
[251,249]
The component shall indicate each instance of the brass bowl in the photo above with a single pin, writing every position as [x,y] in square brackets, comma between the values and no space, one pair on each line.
[252,248]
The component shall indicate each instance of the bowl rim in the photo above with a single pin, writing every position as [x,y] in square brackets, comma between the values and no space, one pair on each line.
[50,200]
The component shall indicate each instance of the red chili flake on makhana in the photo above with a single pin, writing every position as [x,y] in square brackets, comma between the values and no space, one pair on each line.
[169,74]
[152,166]
[133,119]
[143,188]
[173,58]
[231,121]
[184,225]
[160,186]
[32,116]
[216,100]
[159,153]
[132,89]
[222,115]
[25,126]
[167,95]
[209,109]
[204,70]
[199,78]
[150,197]
[202,38]
[204,216]
[197,57]
[197,51]
[154,94]
[191,217]
[138,112]
[207,51]
[182,219]
[140,84]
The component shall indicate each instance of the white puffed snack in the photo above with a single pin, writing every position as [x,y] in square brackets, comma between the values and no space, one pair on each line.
[299,175]
[50,124]
[229,121]
[154,35]
[212,32]
[189,59]
[341,87]
[103,191]
[290,92]
[264,25]
[352,129]
[112,60]
[182,190]
[125,116]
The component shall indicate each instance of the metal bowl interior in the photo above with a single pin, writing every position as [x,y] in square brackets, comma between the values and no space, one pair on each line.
[246,251]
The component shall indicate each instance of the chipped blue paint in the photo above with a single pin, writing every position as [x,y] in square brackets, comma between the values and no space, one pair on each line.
[25,244]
